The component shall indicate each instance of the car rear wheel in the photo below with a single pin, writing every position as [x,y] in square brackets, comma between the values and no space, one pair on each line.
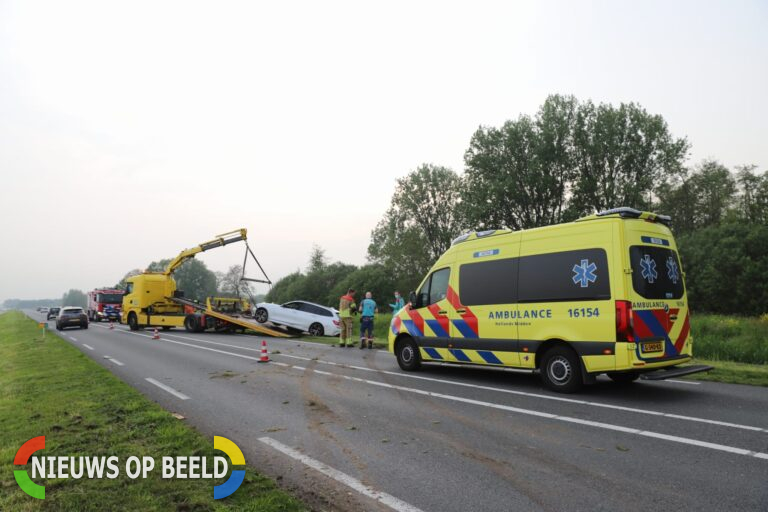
[408,355]
[316,329]
[261,315]
[561,370]
[83,326]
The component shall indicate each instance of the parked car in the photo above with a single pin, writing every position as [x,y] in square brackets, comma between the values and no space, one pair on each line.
[52,313]
[43,310]
[301,316]
[71,317]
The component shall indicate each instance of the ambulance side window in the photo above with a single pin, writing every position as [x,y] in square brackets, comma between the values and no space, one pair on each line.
[435,288]
[439,287]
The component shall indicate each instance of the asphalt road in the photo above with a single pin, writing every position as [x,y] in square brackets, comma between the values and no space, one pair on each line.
[346,429]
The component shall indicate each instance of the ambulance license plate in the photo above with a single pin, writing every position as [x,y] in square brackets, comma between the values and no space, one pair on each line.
[653,347]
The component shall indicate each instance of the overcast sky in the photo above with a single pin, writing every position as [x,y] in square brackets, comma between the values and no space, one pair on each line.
[131,130]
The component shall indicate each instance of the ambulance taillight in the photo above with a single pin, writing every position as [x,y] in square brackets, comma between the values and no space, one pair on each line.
[624,322]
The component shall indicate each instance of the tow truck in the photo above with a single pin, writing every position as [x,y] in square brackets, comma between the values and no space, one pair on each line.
[152,300]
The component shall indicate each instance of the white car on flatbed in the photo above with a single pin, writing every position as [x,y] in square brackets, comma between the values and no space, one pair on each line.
[301,316]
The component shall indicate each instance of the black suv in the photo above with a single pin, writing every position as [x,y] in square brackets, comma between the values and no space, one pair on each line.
[71,317]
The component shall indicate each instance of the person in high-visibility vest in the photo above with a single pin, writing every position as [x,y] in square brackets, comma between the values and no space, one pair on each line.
[347,308]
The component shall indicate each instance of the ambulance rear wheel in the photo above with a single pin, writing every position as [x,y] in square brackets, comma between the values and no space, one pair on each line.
[561,370]
[408,355]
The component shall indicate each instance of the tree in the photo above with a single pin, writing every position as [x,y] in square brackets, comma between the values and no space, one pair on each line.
[517,176]
[621,156]
[195,279]
[317,260]
[715,189]
[726,268]
[699,198]
[74,298]
[230,285]
[753,194]
[423,217]
[678,200]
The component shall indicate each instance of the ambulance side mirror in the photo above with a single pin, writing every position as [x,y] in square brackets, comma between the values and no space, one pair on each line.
[413,300]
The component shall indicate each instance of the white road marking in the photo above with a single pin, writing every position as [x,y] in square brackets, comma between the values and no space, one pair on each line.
[87,346]
[684,382]
[485,388]
[72,338]
[177,394]
[568,419]
[110,358]
[353,483]
[529,412]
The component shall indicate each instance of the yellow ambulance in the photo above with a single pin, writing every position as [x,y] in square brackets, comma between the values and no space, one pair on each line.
[601,295]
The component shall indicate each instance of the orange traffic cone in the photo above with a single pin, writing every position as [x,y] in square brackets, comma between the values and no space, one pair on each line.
[155,336]
[264,356]
[111,325]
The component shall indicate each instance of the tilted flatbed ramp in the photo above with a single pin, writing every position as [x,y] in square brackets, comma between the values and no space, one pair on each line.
[233,319]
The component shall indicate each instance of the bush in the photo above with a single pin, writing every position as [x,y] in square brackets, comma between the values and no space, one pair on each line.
[726,268]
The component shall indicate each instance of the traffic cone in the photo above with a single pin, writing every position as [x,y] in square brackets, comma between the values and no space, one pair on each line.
[264,356]
[156,336]
[111,325]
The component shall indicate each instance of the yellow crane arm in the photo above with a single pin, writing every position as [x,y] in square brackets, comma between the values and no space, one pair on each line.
[220,241]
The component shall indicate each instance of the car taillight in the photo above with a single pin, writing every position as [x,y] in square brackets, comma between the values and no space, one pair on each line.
[336,323]
[624,321]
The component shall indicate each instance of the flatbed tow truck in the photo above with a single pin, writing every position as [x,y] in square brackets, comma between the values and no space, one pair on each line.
[152,300]
[213,317]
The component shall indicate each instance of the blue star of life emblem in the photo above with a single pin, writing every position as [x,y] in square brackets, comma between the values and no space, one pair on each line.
[648,269]
[672,271]
[584,274]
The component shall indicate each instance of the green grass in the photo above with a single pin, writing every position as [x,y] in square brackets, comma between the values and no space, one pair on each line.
[49,388]
[730,338]
[732,373]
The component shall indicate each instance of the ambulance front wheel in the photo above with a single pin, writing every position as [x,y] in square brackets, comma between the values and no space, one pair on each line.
[408,356]
[561,370]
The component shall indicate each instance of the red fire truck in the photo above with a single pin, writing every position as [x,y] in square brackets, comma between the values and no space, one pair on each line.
[105,304]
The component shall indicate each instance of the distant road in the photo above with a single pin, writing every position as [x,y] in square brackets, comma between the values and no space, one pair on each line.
[347,430]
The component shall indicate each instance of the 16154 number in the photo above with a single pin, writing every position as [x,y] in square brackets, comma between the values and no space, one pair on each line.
[583,312]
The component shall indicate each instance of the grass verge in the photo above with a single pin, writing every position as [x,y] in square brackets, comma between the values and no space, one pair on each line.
[733,373]
[49,388]
[730,338]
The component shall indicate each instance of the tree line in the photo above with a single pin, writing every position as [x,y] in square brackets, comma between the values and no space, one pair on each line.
[569,160]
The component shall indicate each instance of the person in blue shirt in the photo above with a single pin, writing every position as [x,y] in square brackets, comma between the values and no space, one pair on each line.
[398,304]
[368,309]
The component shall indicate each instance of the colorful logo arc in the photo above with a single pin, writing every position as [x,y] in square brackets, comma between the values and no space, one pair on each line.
[22,476]
[238,475]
